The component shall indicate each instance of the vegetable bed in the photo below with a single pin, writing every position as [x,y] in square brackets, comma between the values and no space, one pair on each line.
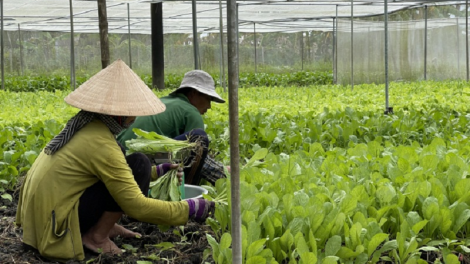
[326,177]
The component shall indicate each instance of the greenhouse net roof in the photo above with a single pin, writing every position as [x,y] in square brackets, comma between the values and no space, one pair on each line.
[262,16]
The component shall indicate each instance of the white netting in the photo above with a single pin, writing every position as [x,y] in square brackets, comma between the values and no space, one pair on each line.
[445,57]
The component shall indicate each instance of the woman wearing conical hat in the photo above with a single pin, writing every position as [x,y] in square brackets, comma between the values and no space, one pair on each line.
[82,183]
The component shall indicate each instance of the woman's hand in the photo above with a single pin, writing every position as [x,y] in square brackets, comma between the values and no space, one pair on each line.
[163,168]
[200,209]
[179,173]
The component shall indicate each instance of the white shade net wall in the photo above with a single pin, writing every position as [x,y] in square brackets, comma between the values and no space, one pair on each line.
[35,52]
[410,57]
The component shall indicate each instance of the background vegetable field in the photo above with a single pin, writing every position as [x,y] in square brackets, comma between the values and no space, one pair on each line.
[326,176]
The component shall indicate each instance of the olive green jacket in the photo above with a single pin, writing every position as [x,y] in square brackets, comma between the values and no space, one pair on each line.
[49,196]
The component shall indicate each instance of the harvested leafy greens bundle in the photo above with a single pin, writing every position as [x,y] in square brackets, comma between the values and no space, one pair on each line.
[151,143]
[166,186]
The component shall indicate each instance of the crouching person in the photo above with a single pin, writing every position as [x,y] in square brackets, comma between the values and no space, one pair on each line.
[82,183]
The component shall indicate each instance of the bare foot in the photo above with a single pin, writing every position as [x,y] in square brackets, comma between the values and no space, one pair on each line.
[118,230]
[100,246]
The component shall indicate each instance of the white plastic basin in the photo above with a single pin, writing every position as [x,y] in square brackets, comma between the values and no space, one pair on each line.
[193,191]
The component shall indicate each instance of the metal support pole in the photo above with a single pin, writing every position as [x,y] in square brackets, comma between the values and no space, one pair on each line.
[222,57]
[72,49]
[425,41]
[309,51]
[352,44]
[158,56]
[232,34]
[104,36]
[458,47]
[334,49]
[368,48]
[256,44]
[195,37]
[2,47]
[302,48]
[238,37]
[129,34]
[466,37]
[20,41]
[388,109]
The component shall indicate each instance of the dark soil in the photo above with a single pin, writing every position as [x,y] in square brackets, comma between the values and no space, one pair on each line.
[188,243]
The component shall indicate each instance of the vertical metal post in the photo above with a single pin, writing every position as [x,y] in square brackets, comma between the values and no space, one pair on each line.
[195,37]
[238,37]
[2,47]
[21,49]
[158,56]
[72,49]
[387,107]
[466,37]
[458,47]
[256,44]
[352,44]
[129,34]
[368,48]
[104,36]
[302,48]
[232,35]
[222,57]
[11,52]
[334,48]
[309,51]
[425,41]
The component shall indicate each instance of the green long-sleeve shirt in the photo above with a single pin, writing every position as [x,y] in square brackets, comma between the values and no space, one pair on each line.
[49,197]
[180,116]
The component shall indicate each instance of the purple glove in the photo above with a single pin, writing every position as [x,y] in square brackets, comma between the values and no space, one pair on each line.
[200,209]
[163,168]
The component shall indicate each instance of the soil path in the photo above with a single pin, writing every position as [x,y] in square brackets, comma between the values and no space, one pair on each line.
[181,245]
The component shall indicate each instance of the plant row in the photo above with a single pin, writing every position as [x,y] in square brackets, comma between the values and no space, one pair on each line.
[326,176]
[172,81]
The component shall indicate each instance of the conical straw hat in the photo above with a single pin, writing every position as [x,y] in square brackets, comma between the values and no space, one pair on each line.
[116,90]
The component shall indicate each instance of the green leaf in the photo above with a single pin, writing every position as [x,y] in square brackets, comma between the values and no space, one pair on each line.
[214,245]
[225,241]
[385,194]
[374,243]
[287,240]
[347,253]
[418,226]
[355,234]
[301,244]
[430,207]
[461,220]
[330,260]
[164,246]
[7,196]
[255,248]
[312,241]
[389,245]
[333,246]
[30,156]
[256,260]
[348,204]
[143,262]
[259,154]
[308,258]
[465,249]
[412,246]
[429,248]
[451,259]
